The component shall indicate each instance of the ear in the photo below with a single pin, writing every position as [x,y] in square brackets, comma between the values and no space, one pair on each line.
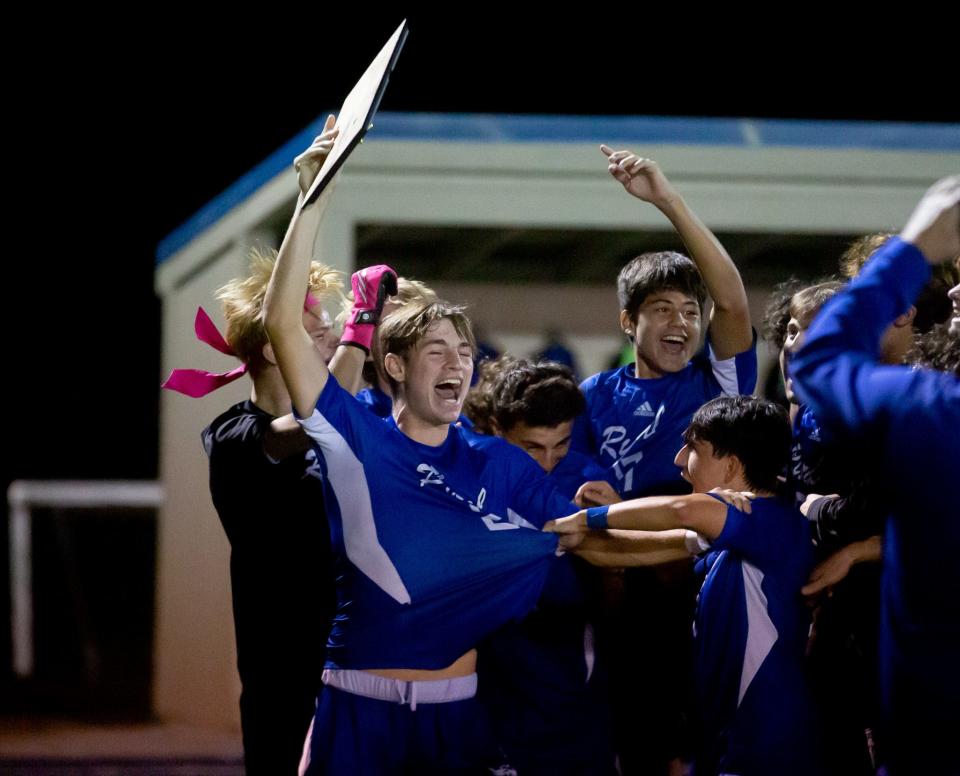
[395,367]
[733,470]
[906,319]
[495,427]
[626,325]
[268,354]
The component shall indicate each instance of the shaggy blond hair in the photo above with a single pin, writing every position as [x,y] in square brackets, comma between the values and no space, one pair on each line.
[242,302]
[401,331]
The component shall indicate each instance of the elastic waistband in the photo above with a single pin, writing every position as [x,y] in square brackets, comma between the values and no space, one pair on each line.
[396,691]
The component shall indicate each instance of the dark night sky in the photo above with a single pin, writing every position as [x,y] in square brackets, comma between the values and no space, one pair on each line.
[121,136]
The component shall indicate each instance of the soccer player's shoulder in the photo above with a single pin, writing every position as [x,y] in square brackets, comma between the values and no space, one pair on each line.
[604,382]
[241,423]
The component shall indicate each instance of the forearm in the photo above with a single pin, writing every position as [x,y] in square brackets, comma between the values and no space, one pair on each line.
[620,549]
[283,302]
[719,272]
[867,551]
[347,366]
[836,371]
[654,513]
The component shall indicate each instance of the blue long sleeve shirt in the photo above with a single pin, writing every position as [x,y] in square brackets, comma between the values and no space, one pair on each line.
[909,421]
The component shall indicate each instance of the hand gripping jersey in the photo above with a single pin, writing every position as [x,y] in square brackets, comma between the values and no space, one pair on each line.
[754,710]
[634,427]
[435,544]
[909,417]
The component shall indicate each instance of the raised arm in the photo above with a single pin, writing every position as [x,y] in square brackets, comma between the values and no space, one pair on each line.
[696,512]
[301,364]
[730,330]
[837,370]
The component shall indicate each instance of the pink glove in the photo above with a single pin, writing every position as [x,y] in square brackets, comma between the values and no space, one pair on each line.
[371,287]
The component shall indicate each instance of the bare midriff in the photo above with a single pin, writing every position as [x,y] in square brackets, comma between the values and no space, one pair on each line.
[462,666]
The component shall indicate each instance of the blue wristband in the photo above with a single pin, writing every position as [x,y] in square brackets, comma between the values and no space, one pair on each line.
[597,517]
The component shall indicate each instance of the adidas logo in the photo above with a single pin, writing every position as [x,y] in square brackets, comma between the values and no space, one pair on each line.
[645,410]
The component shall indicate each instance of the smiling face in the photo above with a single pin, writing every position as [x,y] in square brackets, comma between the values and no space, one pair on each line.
[665,332]
[702,468]
[434,375]
[547,445]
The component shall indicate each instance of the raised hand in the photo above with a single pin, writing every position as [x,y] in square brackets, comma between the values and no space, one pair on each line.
[641,177]
[308,164]
[934,226]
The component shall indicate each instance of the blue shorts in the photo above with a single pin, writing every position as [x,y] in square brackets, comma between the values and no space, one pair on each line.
[396,727]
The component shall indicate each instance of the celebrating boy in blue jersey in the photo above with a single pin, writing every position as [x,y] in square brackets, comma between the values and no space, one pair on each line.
[633,426]
[425,528]
[754,715]
[910,417]
[636,414]
[540,678]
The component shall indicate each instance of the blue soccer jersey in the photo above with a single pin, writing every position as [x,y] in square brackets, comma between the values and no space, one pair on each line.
[433,552]
[750,631]
[576,468]
[634,426]
[378,402]
[909,419]
[538,677]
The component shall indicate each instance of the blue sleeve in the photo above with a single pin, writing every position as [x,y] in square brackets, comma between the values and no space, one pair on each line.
[338,418]
[837,371]
[532,493]
[581,438]
[757,539]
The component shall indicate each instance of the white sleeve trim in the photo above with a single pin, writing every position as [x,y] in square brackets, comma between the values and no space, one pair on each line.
[725,372]
[348,479]
[695,543]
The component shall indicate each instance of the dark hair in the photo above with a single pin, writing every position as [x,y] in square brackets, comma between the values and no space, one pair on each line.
[795,299]
[933,305]
[651,272]
[755,430]
[512,390]
[937,349]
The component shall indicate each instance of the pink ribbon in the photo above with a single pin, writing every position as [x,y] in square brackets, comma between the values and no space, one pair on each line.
[198,382]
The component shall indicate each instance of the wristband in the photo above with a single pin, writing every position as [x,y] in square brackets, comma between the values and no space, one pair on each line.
[597,517]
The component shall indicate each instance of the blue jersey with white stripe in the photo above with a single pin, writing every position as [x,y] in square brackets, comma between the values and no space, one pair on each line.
[433,551]
[537,676]
[909,419]
[634,426]
[750,631]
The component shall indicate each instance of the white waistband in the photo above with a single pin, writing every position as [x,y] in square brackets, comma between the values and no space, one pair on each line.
[397,691]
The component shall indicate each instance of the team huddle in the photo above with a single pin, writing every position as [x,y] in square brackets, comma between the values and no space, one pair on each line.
[428,565]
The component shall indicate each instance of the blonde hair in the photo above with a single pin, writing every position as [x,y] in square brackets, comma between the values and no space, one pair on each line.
[242,302]
[861,249]
[402,330]
[409,292]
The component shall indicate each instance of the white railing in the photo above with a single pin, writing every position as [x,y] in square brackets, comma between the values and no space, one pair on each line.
[25,495]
